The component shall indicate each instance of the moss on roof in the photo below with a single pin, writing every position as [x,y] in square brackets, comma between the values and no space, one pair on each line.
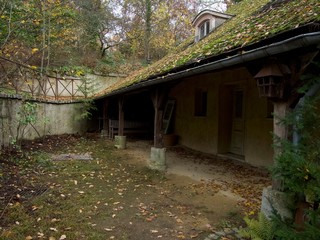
[255,20]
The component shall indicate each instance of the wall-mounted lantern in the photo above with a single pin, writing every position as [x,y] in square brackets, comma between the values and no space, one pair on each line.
[271,80]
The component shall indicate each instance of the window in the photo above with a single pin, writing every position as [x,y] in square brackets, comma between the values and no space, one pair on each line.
[200,103]
[204,29]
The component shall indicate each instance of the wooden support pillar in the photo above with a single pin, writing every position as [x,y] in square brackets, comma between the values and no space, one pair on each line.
[279,129]
[280,132]
[121,115]
[105,117]
[158,97]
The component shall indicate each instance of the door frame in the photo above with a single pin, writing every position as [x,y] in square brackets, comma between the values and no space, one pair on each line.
[238,123]
[225,112]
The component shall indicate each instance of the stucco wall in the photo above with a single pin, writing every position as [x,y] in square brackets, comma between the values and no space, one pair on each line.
[211,134]
[259,128]
[196,132]
[52,119]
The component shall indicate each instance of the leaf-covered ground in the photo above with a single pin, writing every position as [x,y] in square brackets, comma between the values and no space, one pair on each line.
[110,196]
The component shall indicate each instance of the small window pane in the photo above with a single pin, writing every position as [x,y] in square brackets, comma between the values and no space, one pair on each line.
[204,28]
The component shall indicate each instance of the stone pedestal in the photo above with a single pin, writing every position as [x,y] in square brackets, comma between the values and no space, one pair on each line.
[120,142]
[158,159]
[104,133]
[274,201]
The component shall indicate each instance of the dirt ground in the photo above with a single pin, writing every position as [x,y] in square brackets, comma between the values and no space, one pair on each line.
[237,186]
[115,196]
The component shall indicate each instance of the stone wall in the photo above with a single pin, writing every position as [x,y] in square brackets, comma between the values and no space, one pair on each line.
[51,119]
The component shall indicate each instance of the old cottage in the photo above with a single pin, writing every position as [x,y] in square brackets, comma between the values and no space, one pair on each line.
[224,87]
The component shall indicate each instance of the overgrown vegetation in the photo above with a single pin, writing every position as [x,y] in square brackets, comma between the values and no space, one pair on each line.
[260,229]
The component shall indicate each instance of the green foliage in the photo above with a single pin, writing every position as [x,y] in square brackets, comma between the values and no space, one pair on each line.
[258,229]
[26,116]
[78,71]
[288,231]
[299,164]
[87,109]
[27,113]
[88,104]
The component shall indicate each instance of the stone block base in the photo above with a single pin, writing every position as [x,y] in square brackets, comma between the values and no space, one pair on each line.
[158,159]
[274,201]
[120,142]
[104,133]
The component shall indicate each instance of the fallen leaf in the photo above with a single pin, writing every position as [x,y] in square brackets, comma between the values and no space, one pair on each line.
[40,235]
[63,237]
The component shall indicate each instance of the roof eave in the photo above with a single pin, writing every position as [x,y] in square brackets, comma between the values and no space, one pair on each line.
[293,43]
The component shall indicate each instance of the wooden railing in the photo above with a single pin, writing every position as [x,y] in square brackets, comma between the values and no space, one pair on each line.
[23,79]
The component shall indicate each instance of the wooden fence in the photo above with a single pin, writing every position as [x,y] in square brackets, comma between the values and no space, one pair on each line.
[24,79]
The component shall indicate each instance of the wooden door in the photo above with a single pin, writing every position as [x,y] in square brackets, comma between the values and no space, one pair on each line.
[237,133]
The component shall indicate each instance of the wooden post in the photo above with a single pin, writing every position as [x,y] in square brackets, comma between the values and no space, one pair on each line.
[158,97]
[121,116]
[56,94]
[280,133]
[279,129]
[105,117]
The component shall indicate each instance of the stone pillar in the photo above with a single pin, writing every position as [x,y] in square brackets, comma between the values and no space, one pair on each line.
[158,159]
[274,201]
[120,142]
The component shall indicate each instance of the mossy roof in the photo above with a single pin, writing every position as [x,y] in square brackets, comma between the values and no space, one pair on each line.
[254,21]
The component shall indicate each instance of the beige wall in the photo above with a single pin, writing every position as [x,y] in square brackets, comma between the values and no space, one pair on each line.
[212,133]
[52,119]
